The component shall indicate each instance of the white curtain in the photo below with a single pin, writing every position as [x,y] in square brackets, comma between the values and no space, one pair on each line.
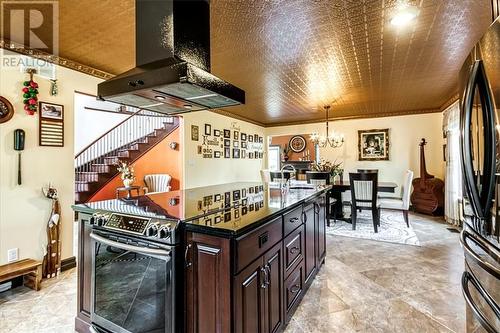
[453,176]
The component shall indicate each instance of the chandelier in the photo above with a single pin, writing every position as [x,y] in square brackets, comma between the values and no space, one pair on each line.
[334,140]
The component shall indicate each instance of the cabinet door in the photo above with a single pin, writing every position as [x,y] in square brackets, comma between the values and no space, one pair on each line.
[310,235]
[84,270]
[249,293]
[274,313]
[208,277]
[320,210]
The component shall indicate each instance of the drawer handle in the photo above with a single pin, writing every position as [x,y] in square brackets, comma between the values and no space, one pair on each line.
[264,283]
[295,288]
[294,220]
[294,250]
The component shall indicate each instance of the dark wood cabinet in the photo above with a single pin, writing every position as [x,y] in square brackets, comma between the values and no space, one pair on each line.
[320,218]
[258,290]
[208,277]
[84,268]
[310,240]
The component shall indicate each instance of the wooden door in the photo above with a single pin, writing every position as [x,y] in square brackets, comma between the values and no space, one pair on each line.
[249,293]
[320,215]
[310,235]
[274,313]
[208,278]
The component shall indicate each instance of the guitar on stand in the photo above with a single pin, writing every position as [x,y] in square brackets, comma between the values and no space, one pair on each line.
[428,195]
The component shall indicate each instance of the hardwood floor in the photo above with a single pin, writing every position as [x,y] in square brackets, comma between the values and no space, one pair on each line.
[365,286]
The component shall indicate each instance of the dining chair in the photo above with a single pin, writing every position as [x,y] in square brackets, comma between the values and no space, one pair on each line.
[367,170]
[322,178]
[277,176]
[403,201]
[364,196]
[265,175]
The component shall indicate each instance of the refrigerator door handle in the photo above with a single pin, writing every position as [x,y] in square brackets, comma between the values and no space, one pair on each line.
[491,269]
[468,277]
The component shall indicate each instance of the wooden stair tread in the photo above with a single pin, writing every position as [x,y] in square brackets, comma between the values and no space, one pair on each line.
[18,268]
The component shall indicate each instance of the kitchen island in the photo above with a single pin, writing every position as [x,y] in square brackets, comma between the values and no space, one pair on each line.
[245,255]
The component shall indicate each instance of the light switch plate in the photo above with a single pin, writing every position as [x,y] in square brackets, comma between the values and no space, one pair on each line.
[12,255]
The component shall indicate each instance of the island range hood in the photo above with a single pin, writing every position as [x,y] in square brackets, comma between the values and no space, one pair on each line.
[172,73]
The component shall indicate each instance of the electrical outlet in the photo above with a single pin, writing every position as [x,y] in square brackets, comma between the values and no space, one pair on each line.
[12,254]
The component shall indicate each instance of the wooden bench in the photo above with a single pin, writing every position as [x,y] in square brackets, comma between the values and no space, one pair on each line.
[29,269]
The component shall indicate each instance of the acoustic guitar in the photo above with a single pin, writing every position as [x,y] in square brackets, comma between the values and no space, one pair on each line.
[427,196]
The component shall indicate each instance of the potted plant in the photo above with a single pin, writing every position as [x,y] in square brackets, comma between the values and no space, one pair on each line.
[334,169]
[127,173]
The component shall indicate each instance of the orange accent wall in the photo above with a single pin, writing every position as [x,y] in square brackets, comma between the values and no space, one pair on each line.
[284,139]
[160,159]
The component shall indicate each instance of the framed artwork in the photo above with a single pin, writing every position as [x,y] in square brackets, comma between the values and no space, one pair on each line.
[227,216]
[261,155]
[236,144]
[208,129]
[227,197]
[243,144]
[236,195]
[217,154]
[227,134]
[236,213]
[200,149]
[216,132]
[255,138]
[256,188]
[297,143]
[227,142]
[250,207]
[236,153]
[217,219]
[195,133]
[244,193]
[217,197]
[6,110]
[250,155]
[244,201]
[208,221]
[51,125]
[236,135]
[227,152]
[243,154]
[261,139]
[244,210]
[243,137]
[250,138]
[373,145]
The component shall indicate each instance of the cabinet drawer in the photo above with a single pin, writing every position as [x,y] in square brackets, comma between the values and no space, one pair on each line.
[292,220]
[294,290]
[253,245]
[294,249]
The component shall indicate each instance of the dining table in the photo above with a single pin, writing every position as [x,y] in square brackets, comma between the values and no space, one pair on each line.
[339,186]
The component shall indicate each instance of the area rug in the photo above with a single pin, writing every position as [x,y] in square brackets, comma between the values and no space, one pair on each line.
[392,228]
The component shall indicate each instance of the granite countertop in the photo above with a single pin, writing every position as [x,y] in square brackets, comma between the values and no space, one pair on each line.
[227,209]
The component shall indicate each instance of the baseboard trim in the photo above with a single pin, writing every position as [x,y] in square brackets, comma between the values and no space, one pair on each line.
[68,263]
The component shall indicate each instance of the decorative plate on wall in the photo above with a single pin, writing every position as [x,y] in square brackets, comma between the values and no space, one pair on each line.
[6,110]
[297,143]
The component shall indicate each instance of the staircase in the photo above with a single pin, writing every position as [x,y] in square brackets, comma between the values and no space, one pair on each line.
[95,165]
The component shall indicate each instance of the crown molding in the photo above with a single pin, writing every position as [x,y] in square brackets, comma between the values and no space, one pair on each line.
[63,62]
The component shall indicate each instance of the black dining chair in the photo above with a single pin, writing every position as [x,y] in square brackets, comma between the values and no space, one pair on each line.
[323,178]
[367,170]
[364,196]
[277,175]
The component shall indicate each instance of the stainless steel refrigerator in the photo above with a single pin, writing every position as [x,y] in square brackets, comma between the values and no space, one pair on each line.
[480,158]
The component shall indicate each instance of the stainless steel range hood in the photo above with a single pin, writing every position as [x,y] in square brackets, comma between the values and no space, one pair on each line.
[172,73]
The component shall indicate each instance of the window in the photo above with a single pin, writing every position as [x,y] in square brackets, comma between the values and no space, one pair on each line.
[274,158]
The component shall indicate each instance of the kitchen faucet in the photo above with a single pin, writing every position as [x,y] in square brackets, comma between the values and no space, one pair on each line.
[284,185]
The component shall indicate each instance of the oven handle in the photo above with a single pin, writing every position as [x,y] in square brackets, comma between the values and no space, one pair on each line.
[483,245]
[128,247]
[468,277]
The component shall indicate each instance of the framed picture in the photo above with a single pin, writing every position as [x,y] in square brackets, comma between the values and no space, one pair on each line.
[236,153]
[250,138]
[250,207]
[373,145]
[243,154]
[217,197]
[243,144]
[244,210]
[244,193]
[227,142]
[236,195]
[217,154]
[236,213]
[195,133]
[227,152]
[244,201]
[51,111]
[236,135]
[227,134]
[250,155]
[200,149]
[216,132]
[217,219]
[261,139]
[261,155]
[208,129]
[255,138]
[227,216]
[243,137]
[236,144]
[51,125]
[208,221]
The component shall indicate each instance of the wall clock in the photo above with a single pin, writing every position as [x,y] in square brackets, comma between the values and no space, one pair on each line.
[6,110]
[297,143]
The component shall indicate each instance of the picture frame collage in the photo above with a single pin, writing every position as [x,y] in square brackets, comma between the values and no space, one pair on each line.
[233,204]
[227,143]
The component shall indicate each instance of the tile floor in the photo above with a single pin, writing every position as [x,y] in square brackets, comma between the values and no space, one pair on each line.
[364,286]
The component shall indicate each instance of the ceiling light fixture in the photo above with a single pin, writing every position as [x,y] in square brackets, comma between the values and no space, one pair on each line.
[334,140]
[404,14]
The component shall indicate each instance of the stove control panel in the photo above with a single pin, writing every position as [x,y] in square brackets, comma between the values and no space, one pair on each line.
[133,224]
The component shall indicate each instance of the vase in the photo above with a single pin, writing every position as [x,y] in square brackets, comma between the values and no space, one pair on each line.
[127,182]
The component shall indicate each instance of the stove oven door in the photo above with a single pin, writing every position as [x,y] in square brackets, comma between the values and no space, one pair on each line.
[131,286]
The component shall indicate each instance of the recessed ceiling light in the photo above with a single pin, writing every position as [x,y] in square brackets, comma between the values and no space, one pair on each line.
[160,98]
[404,14]
[188,106]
